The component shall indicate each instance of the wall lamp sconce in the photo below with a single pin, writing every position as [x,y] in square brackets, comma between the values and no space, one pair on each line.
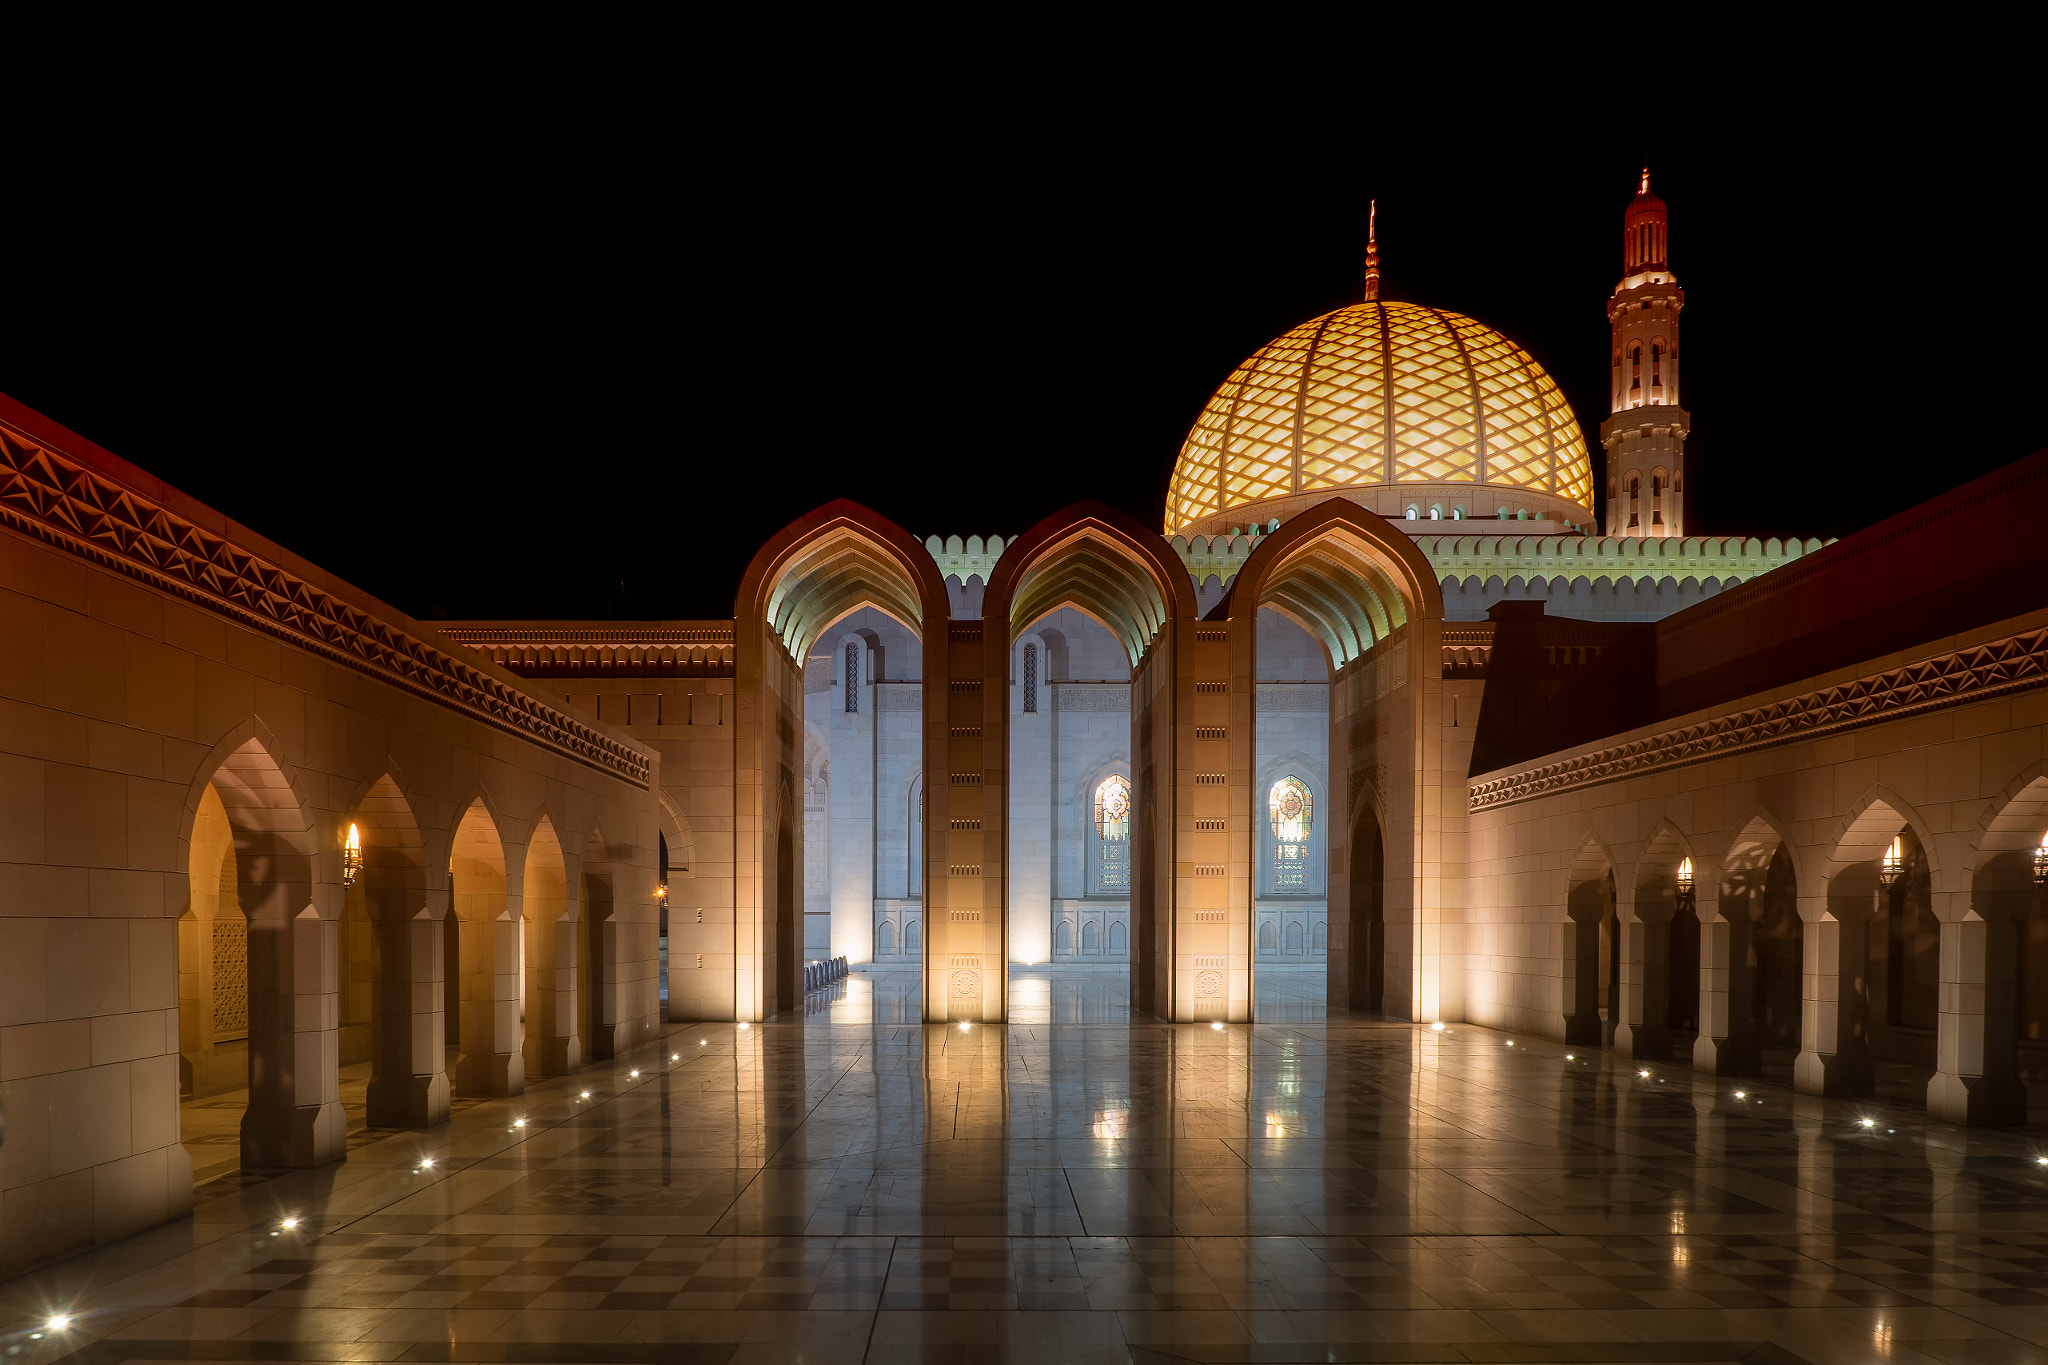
[1685,883]
[2041,863]
[352,857]
[1893,866]
[661,893]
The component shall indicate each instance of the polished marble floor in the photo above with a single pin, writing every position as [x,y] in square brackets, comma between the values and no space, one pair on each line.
[844,1185]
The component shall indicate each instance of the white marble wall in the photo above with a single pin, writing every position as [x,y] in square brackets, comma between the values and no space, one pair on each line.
[861,896]
[1293,740]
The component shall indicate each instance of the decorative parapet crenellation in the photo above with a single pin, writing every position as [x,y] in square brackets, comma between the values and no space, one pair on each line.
[57,499]
[1978,673]
[1464,563]
[965,559]
[1593,559]
[663,649]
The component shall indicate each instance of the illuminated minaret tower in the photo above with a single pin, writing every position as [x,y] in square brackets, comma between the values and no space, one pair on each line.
[1645,436]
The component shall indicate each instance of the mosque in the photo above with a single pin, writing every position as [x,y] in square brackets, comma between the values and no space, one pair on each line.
[1380,715]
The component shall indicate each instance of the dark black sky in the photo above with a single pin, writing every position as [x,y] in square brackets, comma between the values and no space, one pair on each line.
[496,349]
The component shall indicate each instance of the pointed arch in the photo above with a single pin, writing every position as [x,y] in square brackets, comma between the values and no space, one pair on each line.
[549,915]
[408,1081]
[1100,561]
[839,557]
[1860,838]
[1759,834]
[481,934]
[292,1118]
[1341,574]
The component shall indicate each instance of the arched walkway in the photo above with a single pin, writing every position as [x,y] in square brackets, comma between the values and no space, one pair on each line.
[1094,560]
[554,1040]
[294,1115]
[838,558]
[482,941]
[1369,597]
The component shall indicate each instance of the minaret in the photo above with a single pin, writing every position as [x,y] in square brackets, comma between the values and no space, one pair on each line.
[1372,252]
[1645,436]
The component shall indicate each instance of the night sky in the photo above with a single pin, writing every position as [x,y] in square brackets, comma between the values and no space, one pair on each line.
[500,360]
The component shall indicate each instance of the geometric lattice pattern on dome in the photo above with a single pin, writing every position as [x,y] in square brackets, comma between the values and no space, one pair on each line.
[1373,394]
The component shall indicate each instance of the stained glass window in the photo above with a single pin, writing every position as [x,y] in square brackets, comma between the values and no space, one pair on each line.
[1113,827]
[1291,809]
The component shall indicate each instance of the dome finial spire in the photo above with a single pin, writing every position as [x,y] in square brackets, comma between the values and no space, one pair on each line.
[1372,252]
[1645,187]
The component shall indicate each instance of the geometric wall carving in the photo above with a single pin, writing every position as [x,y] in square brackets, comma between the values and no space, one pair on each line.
[1979,673]
[61,502]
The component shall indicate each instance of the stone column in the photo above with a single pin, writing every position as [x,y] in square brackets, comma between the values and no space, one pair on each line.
[493,1043]
[1976,1077]
[1834,1051]
[408,1085]
[1581,960]
[294,1116]
[1728,1044]
[1643,1030]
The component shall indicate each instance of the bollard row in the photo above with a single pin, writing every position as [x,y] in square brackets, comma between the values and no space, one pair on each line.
[824,973]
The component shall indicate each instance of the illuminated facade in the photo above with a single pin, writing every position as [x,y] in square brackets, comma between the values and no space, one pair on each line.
[1744,806]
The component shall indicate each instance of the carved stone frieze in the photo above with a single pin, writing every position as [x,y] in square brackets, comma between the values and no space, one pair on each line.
[1978,673]
[57,500]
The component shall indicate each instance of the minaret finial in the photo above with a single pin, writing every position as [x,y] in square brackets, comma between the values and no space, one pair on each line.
[1372,252]
[1645,188]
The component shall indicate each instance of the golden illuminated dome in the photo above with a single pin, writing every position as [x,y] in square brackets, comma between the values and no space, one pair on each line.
[1398,407]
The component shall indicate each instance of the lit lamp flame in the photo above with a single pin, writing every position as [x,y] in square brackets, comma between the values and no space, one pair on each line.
[352,856]
[1894,863]
[1685,876]
[661,893]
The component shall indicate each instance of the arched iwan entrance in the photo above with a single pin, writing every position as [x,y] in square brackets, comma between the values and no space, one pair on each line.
[839,558]
[1097,560]
[1370,598]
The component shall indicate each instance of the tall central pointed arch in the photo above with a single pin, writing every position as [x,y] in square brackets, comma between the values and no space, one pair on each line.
[836,559]
[1096,559]
[1368,595]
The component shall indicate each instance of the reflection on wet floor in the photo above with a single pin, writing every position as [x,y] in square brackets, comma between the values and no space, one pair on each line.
[1080,1186]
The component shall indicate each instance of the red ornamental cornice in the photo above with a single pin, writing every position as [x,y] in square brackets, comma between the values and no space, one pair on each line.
[59,501]
[1979,673]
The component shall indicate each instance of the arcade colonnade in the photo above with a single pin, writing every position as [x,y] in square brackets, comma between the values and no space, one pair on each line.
[1361,590]
[194,721]
[1864,895]
[1523,900]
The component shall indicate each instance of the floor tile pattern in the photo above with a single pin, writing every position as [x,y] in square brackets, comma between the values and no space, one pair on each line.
[1080,1186]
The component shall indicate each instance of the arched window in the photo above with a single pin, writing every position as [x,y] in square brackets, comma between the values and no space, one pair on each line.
[1290,808]
[1457,514]
[885,937]
[1436,514]
[1030,679]
[1113,830]
[910,939]
[1091,938]
[1635,493]
[1657,498]
[852,680]
[1063,937]
[1294,936]
[1414,513]
[1656,372]
[1269,938]
[1116,937]
[1322,936]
